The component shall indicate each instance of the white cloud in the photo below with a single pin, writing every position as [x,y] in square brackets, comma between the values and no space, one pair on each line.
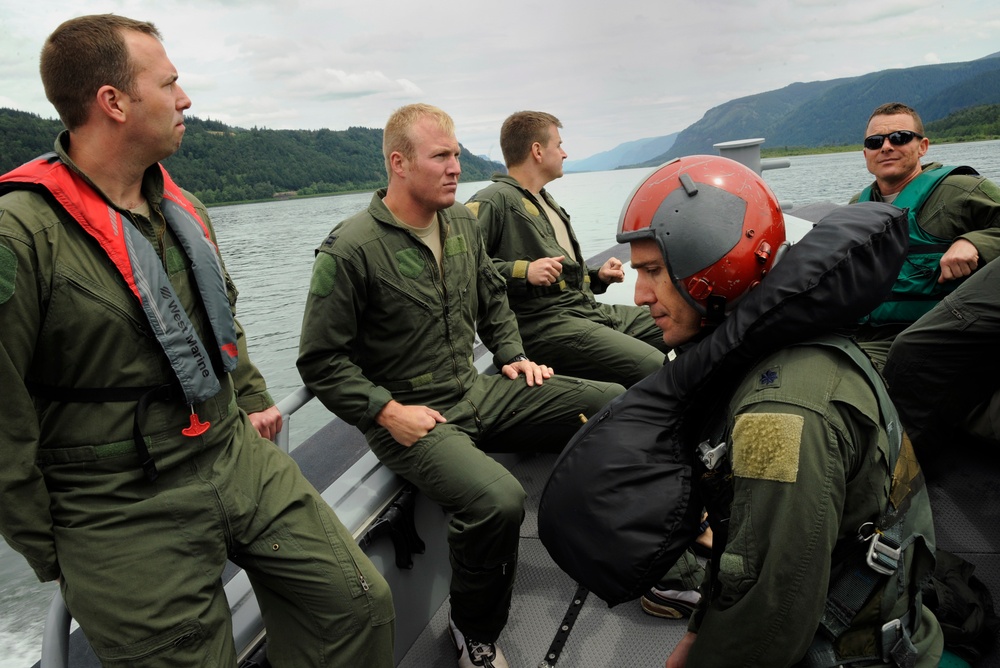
[612,72]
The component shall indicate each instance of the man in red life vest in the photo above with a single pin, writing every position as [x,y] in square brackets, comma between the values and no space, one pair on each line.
[135,462]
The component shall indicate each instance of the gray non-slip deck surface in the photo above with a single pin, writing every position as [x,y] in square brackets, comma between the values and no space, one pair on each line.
[966,505]
[619,636]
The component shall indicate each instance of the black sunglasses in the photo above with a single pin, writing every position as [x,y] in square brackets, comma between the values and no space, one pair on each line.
[897,138]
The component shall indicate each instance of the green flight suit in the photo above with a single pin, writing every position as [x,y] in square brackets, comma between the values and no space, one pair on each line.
[943,370]
[141,561]
[562,325]
[962,206]
[383,322]
[809,455]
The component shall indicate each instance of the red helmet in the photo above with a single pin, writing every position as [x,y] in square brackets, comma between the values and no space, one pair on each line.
[717,223]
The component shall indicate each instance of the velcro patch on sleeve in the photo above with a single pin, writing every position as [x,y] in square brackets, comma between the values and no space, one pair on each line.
[324,271]
[8,273]
[474,208]
[520,269]
[766,446]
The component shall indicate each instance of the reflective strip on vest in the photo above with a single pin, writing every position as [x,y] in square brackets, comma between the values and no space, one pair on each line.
[141,267]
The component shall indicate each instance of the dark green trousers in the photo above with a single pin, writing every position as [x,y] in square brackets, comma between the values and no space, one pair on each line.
[141,561]
[450,466]
[943,371]
[623,345]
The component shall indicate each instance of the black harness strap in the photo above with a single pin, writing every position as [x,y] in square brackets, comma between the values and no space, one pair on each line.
[143,396]
[562,635]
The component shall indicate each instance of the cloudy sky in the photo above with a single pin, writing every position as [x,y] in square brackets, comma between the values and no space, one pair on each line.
[611,70]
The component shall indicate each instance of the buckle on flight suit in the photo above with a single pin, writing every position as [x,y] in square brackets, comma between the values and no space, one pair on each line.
[883,553]
[897,648]
[711,457]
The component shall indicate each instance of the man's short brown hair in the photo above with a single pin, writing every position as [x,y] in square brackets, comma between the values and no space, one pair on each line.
[894,108]
[521,130]
[82,55]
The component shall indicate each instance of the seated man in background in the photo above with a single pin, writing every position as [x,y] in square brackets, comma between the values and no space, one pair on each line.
[398,294]
[954,222]
[549,285]
[551,289]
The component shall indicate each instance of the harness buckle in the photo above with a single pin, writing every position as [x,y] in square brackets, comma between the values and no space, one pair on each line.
[883,554]
[711,457]
[897,647]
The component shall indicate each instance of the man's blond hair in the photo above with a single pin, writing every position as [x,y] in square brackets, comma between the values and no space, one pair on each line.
[397,137]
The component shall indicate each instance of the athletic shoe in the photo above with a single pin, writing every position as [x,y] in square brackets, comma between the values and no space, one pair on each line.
[669,603]
[475,654]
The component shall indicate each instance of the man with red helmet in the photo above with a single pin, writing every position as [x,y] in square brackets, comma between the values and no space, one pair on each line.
[805,440]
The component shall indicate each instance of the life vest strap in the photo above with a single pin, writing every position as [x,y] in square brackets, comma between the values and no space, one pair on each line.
[143,396]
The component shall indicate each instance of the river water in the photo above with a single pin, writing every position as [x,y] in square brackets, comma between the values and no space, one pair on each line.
[268,250]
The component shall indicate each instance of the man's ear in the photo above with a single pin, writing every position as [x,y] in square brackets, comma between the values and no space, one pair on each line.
[113,103]
[536,151]
[925,144]
[397,163]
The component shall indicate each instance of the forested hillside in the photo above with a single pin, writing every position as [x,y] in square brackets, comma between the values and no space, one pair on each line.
[972,124]
[226,164]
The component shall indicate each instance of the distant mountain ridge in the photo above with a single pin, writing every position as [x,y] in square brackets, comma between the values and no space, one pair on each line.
[629,153]
[832,113]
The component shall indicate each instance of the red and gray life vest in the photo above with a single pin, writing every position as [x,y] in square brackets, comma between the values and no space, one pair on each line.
[916,289]
[140,266]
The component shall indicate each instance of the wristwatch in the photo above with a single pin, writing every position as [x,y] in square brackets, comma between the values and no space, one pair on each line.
[518,358]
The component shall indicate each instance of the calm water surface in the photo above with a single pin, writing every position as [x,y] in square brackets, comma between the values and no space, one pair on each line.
[268,249]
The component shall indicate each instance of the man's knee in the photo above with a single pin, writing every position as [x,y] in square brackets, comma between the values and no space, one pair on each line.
[596,395]
[501,504]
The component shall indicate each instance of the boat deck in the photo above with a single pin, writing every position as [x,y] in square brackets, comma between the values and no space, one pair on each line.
[543,596]
[967,522]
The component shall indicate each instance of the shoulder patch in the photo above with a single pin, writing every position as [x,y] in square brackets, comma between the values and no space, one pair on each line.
[991,189]
[530,206]
[766,446]
[473,207]
[324,272]
[410,262]
[8,273]
[328,242]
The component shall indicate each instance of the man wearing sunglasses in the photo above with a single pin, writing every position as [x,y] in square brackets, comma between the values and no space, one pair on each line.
[954,222]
